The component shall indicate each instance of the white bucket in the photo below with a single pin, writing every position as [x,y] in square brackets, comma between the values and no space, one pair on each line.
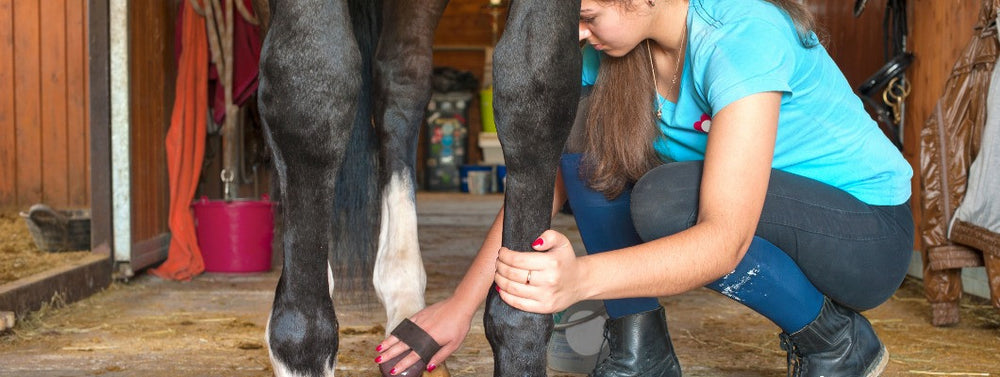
[577,342]
[480,182]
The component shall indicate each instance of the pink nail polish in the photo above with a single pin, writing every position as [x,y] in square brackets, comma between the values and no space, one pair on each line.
[378,359]
[392,371]
[538,242]
[378,348]
[431,368]
[497,287]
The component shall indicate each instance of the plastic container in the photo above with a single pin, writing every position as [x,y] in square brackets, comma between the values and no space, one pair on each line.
[492,152]
[235,236]
[501,179]
[486,110]
[577,342]
[480,182]
[463,173]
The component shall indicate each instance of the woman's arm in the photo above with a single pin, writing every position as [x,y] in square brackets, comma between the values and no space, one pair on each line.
[448,321]
[734,183]
[471,291]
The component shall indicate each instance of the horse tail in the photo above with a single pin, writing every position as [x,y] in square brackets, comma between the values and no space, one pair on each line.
[357,209]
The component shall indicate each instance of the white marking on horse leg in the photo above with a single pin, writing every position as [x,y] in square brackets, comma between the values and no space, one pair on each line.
[329,279]
[329,372]
[399,276]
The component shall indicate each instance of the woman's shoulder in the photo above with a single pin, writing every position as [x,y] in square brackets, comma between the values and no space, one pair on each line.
[715,15]
[738,24]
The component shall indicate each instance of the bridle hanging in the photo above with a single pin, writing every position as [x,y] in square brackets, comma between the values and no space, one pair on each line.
[890,78]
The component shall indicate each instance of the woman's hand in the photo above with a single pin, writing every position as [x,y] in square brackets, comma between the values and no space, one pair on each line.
[443,321]
[541,282]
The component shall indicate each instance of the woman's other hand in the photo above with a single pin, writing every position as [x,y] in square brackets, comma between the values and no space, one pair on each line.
[545,282]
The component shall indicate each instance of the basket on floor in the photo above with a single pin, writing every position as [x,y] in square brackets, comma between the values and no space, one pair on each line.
[58,230]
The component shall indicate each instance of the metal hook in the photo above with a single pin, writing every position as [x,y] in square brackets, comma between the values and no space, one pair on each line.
[227,177]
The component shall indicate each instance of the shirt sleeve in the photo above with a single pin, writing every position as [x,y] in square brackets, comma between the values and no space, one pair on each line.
[747,57]
[591,64]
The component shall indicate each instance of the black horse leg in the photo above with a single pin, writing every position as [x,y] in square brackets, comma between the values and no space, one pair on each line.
[308,92]
[403,67]
[537,83]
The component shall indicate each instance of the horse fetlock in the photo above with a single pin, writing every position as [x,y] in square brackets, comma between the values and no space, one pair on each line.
[519,339]
[302,344]
[400,287]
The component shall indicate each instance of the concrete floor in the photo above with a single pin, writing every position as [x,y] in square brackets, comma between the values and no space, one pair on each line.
[213,326]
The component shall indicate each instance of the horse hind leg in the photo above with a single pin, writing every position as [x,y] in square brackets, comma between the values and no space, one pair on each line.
[308,89]
[537,73]
[403,66]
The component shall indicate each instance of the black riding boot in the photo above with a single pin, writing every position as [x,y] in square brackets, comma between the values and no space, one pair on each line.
[840,342]
[640,346]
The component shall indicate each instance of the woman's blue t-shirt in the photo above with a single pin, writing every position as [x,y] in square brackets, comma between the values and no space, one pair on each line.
[739,48]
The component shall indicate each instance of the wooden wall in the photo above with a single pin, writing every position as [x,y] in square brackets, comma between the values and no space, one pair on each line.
[44,128]
[153,71]
[463,34]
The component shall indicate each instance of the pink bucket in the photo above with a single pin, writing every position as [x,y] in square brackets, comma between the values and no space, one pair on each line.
[235,236]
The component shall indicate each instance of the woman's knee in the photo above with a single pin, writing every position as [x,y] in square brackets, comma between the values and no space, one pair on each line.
[665,200]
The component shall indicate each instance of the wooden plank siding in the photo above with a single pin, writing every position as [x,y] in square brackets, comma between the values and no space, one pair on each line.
[44,131]
[53,67]
[77,103]
[152,72]
[8,144]
[27,101]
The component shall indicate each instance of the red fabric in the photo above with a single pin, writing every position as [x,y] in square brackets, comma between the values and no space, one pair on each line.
[246,54]
[185,145]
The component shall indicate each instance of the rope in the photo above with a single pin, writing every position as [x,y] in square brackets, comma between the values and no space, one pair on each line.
[219,23]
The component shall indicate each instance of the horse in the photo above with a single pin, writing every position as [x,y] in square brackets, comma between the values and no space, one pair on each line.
[343,88]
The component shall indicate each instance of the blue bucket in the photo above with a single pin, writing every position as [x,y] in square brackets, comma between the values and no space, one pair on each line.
[501,177]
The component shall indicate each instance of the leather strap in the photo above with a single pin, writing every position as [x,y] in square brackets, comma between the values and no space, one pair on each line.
[859,7]
[418,339]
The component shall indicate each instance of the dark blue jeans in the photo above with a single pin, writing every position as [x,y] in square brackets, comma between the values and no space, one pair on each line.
[854,253]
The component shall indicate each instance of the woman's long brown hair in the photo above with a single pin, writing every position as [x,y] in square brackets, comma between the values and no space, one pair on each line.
[621,127]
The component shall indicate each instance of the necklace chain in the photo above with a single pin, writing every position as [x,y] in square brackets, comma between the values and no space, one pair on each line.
[673,80]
